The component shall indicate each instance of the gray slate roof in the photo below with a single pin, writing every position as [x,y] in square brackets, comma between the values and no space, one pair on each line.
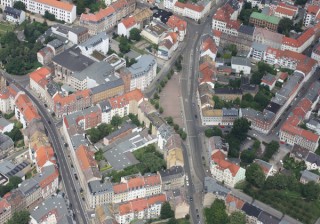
[72,59]
[143,65]
[172,173]
[101,72]
[96,187]
[241,61]
[309,176]
[5,142]
[211,185]
[94,40]
[313,158]
[56,205]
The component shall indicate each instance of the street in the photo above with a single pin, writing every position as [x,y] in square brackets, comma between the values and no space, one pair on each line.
[63,166]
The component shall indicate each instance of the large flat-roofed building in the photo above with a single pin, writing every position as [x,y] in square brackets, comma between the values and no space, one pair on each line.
[265,21]
[94,75]
[64,11]
[70,61]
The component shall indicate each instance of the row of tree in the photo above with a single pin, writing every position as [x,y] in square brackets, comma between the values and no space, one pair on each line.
[216,214]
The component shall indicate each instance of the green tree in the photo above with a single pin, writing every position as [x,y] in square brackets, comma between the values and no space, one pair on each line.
[98,155]
[300,2]
[169,120]
[247,156]
[124,45]
[134,119]
[172,221]
[255,175]
[270,150]
[116,121]
[237,218]
[285,25]
[310,191]
[215,131]
[240,128]
[14,181]
[166,211]
[19,5]
[216,214]
[49,16]
[135,34]
[22,217]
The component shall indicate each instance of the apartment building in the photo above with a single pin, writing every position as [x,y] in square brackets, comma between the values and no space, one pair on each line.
[168,45]
[64,11]
[225,20]
[13,15]
[192,11]
[7,98]
[143,72]
[39,80]
[291,133]
[267,37]
[107,90]
[126,25]
[310,15]
[48,180]
[25,111]
[178,25]
[64,105]
[172,178]
[284,10]
[145,208]
[262,20]
[75,34]
[225,171]
[99,193]
[98,42]
[103,20]
[83,119]
[299,44]
[5,211]
[133,187]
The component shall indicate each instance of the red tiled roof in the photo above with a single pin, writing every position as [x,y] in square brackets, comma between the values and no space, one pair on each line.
[238,202]
[313,9]
[216,33]
[207,70]
[224,13]
[283,76]
[129,22]
[98,16]
[58,4]
[180,5]
[25,107]
[209,44]
[85,157]
[136,182]
[39,76]
[306,35]
[285,11]
[44,183]
[219,158]
[197,8]
[4,205]
[175,21]
[120,188]
[58,98]
[152,180]
[44,154]
[120,101]
[297,131]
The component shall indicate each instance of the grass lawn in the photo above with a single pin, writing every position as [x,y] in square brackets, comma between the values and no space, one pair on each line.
[4,27]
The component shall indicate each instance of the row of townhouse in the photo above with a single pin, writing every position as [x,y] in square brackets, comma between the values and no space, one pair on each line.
[145,208]
[64,11]
[290,131]
[264,121]
[138,75]
[46,181]
[193,11]
[225,21]
[109,17]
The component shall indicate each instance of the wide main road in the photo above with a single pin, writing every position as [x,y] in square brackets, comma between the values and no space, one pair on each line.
[64,168]
[188,83]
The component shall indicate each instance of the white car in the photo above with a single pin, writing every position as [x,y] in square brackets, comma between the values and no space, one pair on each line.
[187,182]
[187,178]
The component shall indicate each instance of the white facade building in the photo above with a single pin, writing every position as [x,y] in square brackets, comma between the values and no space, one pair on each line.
[99,42]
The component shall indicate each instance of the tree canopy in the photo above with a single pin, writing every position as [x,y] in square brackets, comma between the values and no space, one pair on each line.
[19,5]
[216,214]
[22,217]
[237,218]
[135,34]
[270,150]
[166,211]
[124,45]
[285,25]
[215,131]
[255,175]
[14,181]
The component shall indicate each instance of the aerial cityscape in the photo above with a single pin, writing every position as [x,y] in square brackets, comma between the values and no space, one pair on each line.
[159,112]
